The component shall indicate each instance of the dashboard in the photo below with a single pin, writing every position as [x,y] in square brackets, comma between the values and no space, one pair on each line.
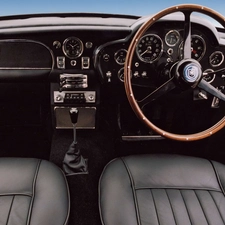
[82,57]
[158,50]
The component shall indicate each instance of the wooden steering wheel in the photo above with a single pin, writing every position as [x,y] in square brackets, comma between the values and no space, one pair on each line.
[187,71]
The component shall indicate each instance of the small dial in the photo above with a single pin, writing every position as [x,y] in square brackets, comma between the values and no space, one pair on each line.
[172,38]
[198,48]
[209,77]
[149,48]
[120,56]
[216,59]
[73,47]
[121,74]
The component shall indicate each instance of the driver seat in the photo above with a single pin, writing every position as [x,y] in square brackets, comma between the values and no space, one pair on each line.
[33,192]
[162,189]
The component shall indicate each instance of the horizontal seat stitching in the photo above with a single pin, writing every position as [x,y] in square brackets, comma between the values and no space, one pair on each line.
[178,188]
[20,194]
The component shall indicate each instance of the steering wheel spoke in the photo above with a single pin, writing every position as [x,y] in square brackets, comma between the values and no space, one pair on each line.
[187,35]
[187,72]
[162,90]
[211,89]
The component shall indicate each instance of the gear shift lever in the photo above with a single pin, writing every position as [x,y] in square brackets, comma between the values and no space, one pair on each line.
[73,162]
[74,116]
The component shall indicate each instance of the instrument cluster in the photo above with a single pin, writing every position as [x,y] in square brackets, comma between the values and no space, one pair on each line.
[152,47]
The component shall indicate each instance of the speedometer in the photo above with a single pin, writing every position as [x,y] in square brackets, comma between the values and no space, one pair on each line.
[149,48]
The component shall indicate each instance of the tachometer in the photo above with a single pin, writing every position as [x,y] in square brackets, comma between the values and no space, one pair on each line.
[198,47]
[73,47]
[149,48]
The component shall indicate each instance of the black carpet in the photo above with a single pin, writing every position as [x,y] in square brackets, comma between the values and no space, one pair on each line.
[98,148]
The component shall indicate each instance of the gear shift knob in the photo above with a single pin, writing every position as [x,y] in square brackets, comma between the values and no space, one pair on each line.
[74,115]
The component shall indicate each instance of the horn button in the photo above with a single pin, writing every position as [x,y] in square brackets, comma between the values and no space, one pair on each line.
[188,73]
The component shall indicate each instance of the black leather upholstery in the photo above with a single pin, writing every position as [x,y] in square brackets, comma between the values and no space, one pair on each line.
[32,192]
[162,189]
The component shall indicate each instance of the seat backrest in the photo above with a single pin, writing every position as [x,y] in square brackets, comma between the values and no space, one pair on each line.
[162,189]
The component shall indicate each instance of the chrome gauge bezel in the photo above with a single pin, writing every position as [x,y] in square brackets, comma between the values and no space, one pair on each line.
[116,55]
[80,45]
[212,77]
[120,74]
[141,40]
[213,54]
[204,45]
[178,37]
[203,42]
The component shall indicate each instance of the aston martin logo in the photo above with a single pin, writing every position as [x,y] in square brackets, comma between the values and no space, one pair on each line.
[191,73]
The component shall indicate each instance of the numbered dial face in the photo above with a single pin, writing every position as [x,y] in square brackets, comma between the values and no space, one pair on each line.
[172,38]
[149,48]
[216,59]
[73,47]
[198,47]
[120,56]
[210,77]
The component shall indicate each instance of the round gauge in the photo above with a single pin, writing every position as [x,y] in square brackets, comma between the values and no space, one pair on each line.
[172,38]
[73,47]
[121,74]
[216,59]
[209,77]
[198,47]
[120,56]
[149,48]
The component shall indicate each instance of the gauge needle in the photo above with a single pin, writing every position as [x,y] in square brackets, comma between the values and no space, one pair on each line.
[148,50]
[73,46]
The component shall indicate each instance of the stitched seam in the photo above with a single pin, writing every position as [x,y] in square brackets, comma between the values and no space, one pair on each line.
[201,206]
[99,191]
[171,206]
[216,206]
[10,194]
[218,178]
[10,209]
[185,206]
[155,206]
[133,190]
[180,188]
[68,194]
[33,195]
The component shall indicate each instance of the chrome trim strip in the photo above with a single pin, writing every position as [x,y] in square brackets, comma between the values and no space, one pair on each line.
[142,138]
[24,68]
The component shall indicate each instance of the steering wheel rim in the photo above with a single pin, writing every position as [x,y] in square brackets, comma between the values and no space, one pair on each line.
[128,64]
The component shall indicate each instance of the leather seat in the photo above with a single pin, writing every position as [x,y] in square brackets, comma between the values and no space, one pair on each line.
[162,189]
[32,192]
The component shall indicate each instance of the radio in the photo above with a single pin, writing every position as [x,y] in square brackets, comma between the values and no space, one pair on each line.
[72,81]
[74,97]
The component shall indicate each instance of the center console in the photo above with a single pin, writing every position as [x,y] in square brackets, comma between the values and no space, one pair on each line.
[75,90]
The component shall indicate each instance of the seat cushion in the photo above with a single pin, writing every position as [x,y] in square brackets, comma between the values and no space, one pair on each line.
[162,189]
[32,192]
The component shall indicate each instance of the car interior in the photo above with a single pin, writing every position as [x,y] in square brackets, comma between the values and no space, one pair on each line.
[113,119]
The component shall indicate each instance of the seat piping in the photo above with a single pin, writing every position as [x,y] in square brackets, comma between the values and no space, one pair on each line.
[33,192]
[133,190]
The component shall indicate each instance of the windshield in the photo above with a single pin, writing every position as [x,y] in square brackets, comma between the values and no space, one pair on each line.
[130,7]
